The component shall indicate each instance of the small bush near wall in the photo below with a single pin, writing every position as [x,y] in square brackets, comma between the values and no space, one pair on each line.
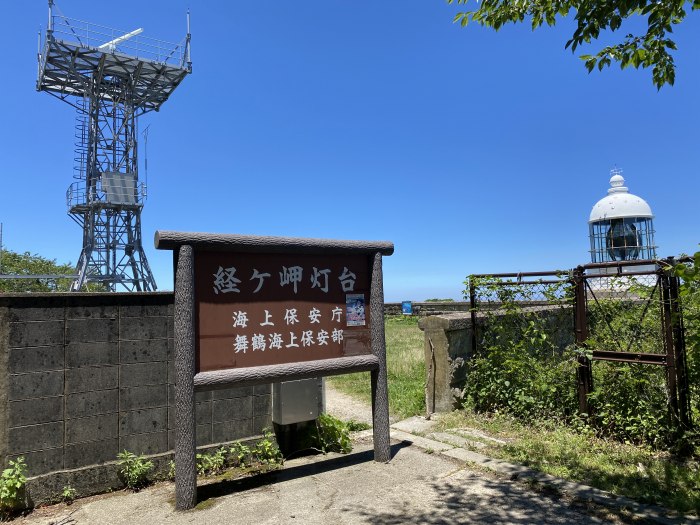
[12,488]
[526,362]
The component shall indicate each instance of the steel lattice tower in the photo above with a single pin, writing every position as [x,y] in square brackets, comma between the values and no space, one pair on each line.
[111,77]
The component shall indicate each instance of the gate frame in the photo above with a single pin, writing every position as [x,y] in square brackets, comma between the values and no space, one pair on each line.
[673,335]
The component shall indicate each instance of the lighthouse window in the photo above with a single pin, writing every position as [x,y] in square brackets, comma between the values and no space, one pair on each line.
[622,240]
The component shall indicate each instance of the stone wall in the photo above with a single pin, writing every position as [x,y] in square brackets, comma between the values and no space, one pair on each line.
[423,309]
[85,376]
[448,340]
[447,348]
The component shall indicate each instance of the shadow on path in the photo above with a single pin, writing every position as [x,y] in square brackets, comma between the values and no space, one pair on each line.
[472,499]
[227,487]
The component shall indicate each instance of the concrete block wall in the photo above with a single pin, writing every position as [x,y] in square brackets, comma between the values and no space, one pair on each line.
[85,376]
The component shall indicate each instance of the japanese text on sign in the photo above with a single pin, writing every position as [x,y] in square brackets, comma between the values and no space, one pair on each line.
[258,309]
[286,337]
[225,280]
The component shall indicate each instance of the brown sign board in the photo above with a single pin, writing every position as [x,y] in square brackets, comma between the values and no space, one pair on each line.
[254,309]
[250,310]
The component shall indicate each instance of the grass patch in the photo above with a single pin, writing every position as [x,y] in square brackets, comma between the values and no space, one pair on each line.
[357,426]
[405,370]
[636,472]
[206,504]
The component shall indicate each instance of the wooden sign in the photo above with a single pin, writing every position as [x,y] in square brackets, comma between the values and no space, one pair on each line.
[262,309]
[253,310]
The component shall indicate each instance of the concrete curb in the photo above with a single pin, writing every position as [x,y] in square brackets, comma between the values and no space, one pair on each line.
[407,430]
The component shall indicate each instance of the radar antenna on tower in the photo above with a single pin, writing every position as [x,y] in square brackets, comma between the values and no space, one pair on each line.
[111,77]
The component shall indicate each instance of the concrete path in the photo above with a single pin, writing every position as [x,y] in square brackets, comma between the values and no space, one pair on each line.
[414,487]
[433,478]
[420,485]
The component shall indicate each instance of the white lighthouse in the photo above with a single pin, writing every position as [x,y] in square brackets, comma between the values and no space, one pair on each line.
[621,225]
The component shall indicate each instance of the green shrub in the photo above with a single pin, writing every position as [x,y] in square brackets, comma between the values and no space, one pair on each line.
[266,450]
[629,403]
[522,368]
[68,494]
[333,435]
[525,364]
[134,469]
[12,486]
[523,385]
[211,463]
[356,426]
[239,454]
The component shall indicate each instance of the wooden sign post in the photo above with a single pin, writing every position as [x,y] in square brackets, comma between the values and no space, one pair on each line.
[254,310]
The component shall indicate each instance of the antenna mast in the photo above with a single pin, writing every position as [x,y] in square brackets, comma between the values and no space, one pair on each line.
[111,77]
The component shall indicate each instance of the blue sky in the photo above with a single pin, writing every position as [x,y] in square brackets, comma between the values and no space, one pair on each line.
[473,151]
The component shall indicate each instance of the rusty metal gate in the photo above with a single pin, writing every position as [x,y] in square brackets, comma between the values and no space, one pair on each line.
[623,312]
[629,312]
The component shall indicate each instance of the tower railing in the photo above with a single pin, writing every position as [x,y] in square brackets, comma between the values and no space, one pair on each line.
[90,35]
[116,189]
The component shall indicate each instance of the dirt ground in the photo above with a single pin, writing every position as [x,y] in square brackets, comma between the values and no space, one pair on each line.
[345,407]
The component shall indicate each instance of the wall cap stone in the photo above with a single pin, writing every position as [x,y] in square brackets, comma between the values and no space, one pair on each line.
[446,322]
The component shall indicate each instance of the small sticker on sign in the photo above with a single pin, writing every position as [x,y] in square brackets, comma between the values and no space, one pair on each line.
[355,309]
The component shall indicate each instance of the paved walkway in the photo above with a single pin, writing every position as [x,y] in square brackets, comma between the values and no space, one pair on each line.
[433,478]
[414,487]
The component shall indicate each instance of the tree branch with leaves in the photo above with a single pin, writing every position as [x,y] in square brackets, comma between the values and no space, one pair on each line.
[649,50]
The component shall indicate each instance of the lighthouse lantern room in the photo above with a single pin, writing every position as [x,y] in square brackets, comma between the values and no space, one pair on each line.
[621,225]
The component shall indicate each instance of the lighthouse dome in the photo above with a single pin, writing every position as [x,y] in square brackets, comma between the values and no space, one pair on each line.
[619,203]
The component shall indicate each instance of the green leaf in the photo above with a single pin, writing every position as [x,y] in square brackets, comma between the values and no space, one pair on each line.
[592,18]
